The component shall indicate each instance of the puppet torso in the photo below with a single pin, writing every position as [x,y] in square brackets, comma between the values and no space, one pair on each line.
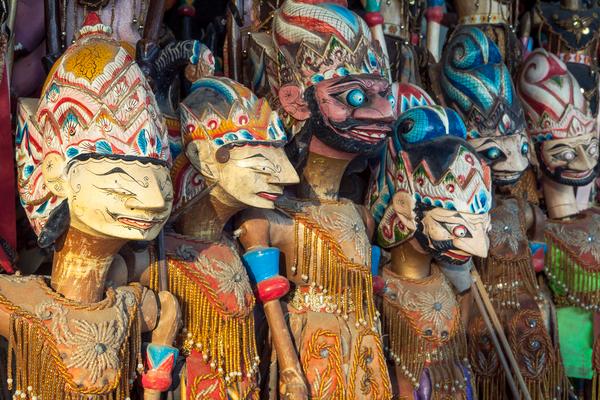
[331,310]
[62,348]
[426,337]
[510,281]
[214,292]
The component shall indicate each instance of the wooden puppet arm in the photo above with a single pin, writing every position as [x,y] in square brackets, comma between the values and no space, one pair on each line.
[262,263]
[160,356]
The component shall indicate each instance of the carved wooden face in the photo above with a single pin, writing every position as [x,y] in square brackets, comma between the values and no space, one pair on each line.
[253,174]
[118,198]
[570,161]
[506,156]
[455,236]
[357,112]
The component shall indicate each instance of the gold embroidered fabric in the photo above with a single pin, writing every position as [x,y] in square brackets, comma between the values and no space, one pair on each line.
[47,345]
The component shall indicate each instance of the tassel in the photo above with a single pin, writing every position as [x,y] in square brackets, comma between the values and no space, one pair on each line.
[576,286]
[34,357]
[227,340]
[411,351]
[319,260]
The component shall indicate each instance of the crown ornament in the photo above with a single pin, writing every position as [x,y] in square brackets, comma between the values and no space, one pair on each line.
[554,105]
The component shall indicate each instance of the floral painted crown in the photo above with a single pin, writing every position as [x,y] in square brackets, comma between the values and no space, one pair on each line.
[96,101]
[555,107]
[316,42]
[225,112]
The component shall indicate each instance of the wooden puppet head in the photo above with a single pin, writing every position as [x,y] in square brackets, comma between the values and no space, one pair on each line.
[559,122]
[233,140]
[95,153]
[326,72]
[441,193]
[477,84]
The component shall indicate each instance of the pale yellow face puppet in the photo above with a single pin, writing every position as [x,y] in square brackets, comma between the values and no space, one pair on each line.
[93,153]
[236,142]
[129,199]
[252,174]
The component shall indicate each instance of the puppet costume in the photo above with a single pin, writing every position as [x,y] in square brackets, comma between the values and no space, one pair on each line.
[96,104]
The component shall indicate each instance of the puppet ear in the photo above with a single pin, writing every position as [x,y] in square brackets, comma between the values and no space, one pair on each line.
[404,206]
[53,170]
[202,157]
[292,100]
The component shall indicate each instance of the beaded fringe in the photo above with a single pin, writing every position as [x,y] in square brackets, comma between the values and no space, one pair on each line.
[580,285]
[516,275]
[494,387]
[319,260]
[226,341]
[409,350]
[40,372]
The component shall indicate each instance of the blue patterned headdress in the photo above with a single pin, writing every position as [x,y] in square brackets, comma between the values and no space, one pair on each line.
[477,84]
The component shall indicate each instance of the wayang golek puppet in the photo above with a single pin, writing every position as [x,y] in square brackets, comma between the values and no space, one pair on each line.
[93,174]
[326,72]
[432,206]
[564,133]
[232,158]
[476,82]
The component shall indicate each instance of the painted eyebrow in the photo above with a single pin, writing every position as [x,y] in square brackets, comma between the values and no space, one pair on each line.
[258,155]
[488,141]
[560,146]
[116,170]
[119,170]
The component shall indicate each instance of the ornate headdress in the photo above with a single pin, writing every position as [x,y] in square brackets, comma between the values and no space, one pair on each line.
[318,41]
[311,41]
[408,96]
[437,166]
[221,112]
[476,83]
[95,102]
[384,183]
[554,105]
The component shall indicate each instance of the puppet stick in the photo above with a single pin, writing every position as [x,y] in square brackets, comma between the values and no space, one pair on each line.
[234,21]
[262,264]
[287,358]
[154,17]
[490,328]
[434,16]
[374,20]
[163,281]
[495,327]
[53,36]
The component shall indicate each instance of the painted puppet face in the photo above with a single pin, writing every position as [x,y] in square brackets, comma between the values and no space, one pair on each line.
[352,113]
[506,156]
[570,161]
[119,198]
[252,174]
[453,236]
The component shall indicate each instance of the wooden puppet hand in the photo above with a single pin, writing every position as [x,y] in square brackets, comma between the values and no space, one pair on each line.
[161,356]
[292,385]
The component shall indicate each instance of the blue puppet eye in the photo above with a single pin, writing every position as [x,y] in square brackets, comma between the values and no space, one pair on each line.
[492,153]
[525,149]
[392,100]
[356,98]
